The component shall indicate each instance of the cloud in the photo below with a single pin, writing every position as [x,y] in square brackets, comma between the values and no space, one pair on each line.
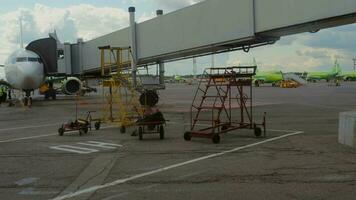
[85,21]
[323,53]
[338,38]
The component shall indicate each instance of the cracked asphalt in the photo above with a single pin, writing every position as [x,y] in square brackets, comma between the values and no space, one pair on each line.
[309,165]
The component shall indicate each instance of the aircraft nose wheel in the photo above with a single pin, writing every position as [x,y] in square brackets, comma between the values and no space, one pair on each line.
[27,101]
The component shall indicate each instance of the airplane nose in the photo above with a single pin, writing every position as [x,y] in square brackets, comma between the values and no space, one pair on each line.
[27,74]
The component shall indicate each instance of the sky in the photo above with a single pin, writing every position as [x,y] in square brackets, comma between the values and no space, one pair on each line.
[89,19]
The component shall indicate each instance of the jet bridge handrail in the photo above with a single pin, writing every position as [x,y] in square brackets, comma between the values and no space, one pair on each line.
[242,71]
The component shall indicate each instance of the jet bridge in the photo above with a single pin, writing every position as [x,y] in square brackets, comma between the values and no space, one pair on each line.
[212,26]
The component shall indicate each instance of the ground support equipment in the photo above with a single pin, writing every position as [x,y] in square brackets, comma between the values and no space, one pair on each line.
[120,98]
[223,103]
[81,125]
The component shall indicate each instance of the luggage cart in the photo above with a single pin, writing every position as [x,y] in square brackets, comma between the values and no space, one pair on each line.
[220,93]
[81,125]
[151,128]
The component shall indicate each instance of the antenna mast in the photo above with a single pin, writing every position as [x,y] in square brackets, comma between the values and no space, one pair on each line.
[21,35]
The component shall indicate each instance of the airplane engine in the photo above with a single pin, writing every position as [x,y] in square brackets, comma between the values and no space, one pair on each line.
[71,86]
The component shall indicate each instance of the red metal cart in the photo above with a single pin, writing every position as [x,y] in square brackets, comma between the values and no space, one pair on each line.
[222,94]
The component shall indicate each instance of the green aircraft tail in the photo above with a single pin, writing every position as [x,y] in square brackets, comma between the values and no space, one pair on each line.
[336,68]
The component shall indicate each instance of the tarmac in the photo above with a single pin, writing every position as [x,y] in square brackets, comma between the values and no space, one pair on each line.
[299,159]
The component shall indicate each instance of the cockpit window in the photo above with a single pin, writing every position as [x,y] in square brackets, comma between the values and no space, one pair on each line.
[21,59]
[25,59]
[35,60]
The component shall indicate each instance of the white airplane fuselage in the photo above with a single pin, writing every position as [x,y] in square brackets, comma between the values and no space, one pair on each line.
[24,70]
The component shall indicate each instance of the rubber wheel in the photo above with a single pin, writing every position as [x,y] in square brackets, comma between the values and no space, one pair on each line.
[216,138]
[223,128]
[149,98]
[187,136]
[122,129]
[29,103]
[258,131]
[97,125]
[25,101]
[60,131]
[54,95]
[140,133]
[257,84]
[161,132]
[46,96]
[81,131]
[86,129]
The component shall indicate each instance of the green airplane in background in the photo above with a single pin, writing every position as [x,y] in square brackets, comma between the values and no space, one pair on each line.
[267,77]
[349,76]
[316,76]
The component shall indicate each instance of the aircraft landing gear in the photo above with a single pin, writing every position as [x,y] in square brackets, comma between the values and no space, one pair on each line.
[27,101]
[10,98]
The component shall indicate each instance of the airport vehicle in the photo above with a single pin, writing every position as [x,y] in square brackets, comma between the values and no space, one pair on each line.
[273,77]
[288,84]
[317,76]
[212,110]
[81,125]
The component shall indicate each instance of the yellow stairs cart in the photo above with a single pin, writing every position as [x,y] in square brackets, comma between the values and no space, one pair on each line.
[119,97]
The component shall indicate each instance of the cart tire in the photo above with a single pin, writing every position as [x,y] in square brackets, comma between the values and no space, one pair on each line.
[187,136]
[223,128]
[81,131]
[258,131]
[122,129]
[216,138]
[86,129]
[97,125]
[161,132]
[60,131]
[140,133]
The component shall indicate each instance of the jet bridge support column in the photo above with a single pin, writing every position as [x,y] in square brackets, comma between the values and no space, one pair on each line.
[161,73]
[133,46]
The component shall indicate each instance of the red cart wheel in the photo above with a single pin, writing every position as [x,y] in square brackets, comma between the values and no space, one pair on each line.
[140,133]
[216,138]
[61,131]
[187,136]
[122,129]
[161,132]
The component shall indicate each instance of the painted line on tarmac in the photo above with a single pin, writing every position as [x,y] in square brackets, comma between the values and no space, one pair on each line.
[85,150]
[26,127]
[207,125]
[27,138]
[41,136]
[121,181]
[74,149]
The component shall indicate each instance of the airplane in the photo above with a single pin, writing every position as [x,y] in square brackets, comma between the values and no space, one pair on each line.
[267,77]
[24,70]
[349,76]
[316,76]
